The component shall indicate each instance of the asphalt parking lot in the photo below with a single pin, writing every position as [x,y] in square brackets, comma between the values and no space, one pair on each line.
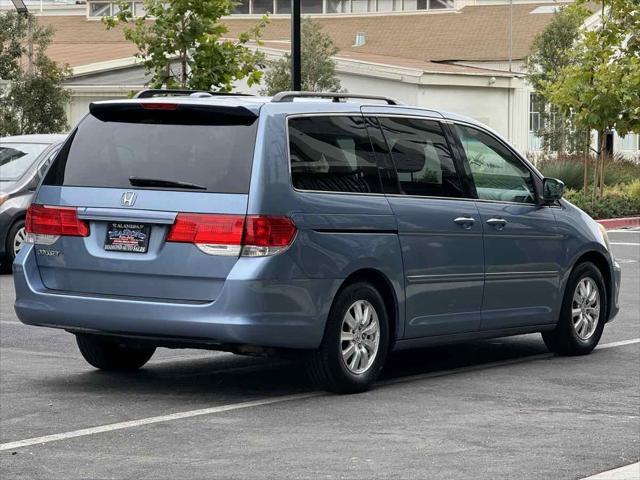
[502,408]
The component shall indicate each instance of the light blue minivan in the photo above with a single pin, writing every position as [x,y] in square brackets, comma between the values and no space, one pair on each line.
[337,226]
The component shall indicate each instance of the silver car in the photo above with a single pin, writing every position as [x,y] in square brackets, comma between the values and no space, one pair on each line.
[23,161]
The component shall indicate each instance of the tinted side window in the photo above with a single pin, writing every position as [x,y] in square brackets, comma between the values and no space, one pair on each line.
[497,173]
[422,157]
[332,153]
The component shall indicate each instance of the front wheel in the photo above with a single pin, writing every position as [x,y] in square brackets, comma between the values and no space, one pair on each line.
[583,314]
[355,343]
[109,354]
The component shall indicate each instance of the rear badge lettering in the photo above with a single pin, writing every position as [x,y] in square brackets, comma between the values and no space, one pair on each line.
[47,253]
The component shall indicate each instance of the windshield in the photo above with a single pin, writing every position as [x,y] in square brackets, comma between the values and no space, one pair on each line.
[16,158]
[115,154]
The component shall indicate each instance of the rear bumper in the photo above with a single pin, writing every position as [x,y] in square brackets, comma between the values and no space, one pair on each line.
[615,290]
[269,313]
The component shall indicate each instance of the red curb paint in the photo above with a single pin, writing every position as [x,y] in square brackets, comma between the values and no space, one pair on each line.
[628,222]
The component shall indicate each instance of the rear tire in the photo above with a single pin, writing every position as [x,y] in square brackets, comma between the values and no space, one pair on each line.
[583,314]
[15,241]
[108,354]
[355,343]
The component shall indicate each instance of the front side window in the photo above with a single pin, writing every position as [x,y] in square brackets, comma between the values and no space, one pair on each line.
[497,173]
[333,154]
[422,157]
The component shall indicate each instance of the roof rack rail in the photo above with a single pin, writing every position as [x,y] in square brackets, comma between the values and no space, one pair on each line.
[335,96]
[157,92]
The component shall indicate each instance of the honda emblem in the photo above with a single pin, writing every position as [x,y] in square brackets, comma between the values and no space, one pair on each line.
[128,199]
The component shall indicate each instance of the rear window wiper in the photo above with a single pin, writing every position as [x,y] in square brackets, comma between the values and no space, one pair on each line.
[157,182]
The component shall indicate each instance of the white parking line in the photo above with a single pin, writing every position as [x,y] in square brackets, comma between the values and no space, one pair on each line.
[623,243]
[618,344]
[21,351]
[150,420]
[9,322]
[256,403]
[628,472]
[623,231]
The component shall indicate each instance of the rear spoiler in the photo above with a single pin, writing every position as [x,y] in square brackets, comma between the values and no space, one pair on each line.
[172,113]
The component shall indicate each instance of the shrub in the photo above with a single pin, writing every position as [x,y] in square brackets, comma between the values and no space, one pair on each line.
[634,189]
[618,201]
[570,169]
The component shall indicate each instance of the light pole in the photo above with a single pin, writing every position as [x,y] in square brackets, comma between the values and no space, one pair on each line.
[296,55]
[510,34]
[22,9]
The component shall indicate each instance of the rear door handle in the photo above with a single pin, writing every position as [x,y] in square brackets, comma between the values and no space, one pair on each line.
[465,222]
[499,223]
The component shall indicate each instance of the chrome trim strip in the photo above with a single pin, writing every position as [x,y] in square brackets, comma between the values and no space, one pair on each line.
[530,236]
[518,275]
[452,277]
[461,277]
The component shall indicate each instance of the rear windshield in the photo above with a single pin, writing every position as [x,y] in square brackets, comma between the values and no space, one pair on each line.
[16,158]
[216,158]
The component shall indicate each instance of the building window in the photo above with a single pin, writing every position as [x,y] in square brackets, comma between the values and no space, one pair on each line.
[106,9]
[263,6]
[629,143]
[536,106]
[310,6]
[440,4]
[338,6]
[99,9]
[306,6]
[139,10]
[242,7]
[259,7]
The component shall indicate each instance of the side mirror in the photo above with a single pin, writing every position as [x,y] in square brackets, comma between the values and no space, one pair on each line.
[552,190]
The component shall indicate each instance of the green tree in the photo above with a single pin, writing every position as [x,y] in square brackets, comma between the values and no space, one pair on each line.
[600,88]
[551,53]
[181,44]
[318,68]
[32,98]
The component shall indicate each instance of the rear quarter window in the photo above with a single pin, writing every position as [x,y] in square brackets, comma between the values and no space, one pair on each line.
[109,153]
[333,154]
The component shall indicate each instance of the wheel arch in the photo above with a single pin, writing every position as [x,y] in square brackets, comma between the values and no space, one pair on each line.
[20,216]
[603,265]
[382,283]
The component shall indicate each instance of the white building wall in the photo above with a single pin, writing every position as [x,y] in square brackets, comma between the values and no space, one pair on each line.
[494,106]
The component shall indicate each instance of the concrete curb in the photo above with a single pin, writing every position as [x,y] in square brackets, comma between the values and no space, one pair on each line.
[627,222]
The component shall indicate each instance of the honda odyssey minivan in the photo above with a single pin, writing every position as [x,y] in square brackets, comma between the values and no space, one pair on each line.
[339,227]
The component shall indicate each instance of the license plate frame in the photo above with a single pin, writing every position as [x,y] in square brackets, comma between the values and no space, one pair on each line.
[127,237]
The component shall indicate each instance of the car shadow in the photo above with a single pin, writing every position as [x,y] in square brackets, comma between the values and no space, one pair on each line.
[235,377]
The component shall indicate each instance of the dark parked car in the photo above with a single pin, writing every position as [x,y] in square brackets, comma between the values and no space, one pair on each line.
[23,161]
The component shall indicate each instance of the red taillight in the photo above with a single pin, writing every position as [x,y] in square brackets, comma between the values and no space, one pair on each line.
[42,220]
[213,229]
[233,234]
[269,231]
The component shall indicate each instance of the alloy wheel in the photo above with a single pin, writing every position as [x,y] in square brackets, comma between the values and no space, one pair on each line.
[360,337]
[19,240]
[585,308]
